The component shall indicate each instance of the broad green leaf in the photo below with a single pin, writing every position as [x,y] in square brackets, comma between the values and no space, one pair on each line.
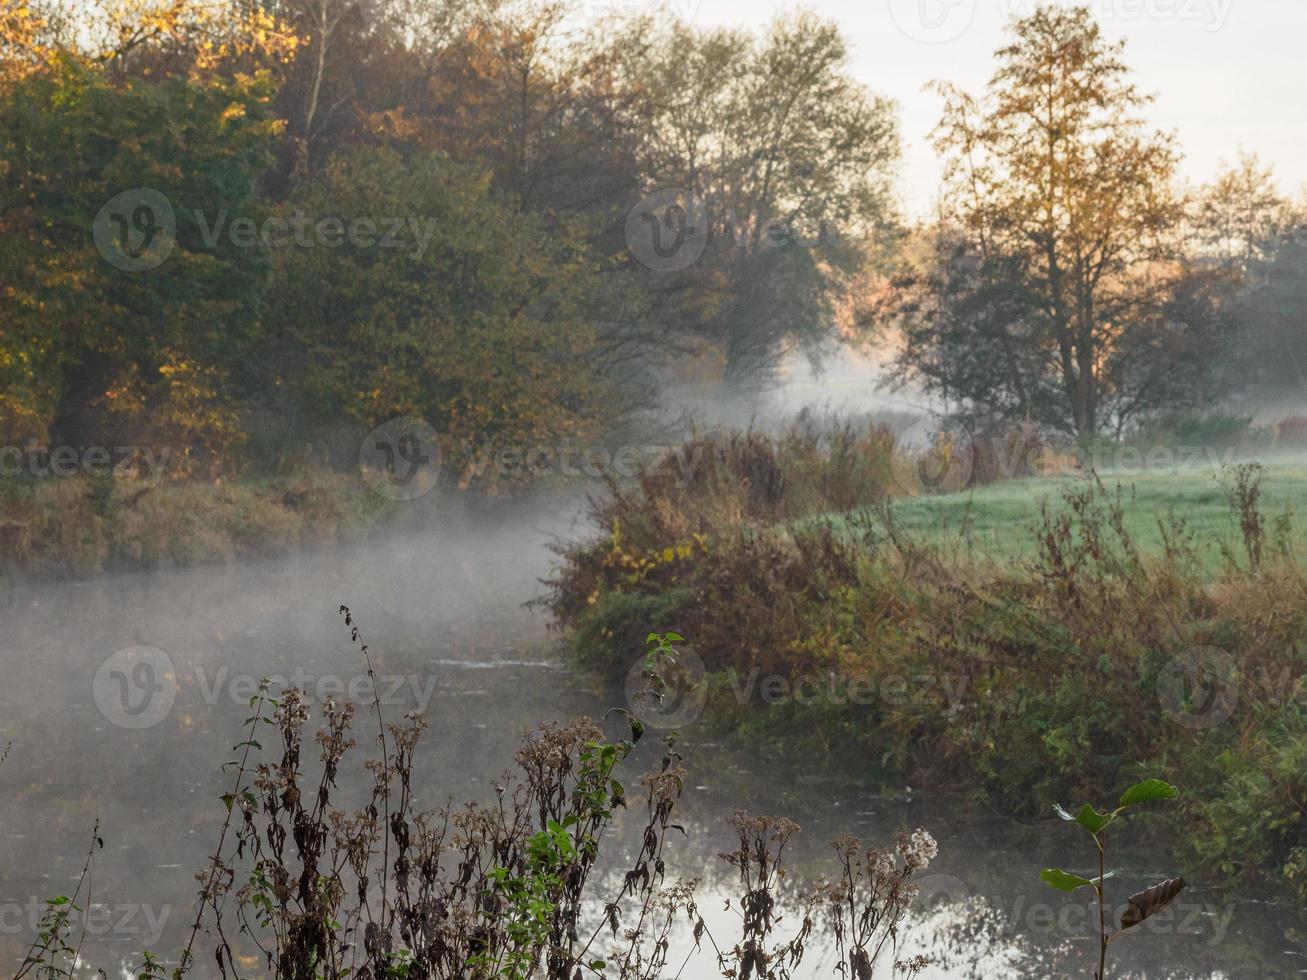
[1147,791]
[1089,818]
[1063,881]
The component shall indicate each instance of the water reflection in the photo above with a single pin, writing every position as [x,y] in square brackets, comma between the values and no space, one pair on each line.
[442,611]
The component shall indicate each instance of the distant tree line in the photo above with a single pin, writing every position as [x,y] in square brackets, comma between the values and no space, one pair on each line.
[252,229]
[387,207]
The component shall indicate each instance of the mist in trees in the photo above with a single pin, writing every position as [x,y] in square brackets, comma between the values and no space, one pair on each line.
[374,208]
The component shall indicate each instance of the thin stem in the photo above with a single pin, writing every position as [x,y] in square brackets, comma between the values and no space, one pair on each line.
[1102,914]
[206,891]
[356,636]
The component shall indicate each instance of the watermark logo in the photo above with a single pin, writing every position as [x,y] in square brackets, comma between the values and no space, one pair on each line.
[400,459]
[1199,689]
[136,687]
[136,230]
[933,21]
[686,10]
[410,692]
[945,693]
[668,230]
[296,229]
[672,699]
[927,459]
[940,889]
[1211,14]
[942,21]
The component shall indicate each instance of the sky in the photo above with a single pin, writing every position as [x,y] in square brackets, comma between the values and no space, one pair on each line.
[1228,75]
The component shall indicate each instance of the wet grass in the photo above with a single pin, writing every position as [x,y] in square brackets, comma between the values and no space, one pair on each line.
[995,523]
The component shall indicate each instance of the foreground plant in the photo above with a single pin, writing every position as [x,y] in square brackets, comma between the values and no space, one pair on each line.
[301,887]
[1140,905]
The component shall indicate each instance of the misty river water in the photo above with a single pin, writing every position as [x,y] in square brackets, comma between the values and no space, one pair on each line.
[442,609]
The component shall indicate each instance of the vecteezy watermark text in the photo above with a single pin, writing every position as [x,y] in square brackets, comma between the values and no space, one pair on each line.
[1077,916]
[570,459]
[297,230]
[684,685]
[402,459]
[122,921]
[136,230]
[942,21]
[137,687]
[37,460]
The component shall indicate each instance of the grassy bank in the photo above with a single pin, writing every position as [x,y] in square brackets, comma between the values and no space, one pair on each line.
[1084,639]
[79,525]
[997,522]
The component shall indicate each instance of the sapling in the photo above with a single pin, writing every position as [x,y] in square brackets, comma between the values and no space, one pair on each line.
[1140,905]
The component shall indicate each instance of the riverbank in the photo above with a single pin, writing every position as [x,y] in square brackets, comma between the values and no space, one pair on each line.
[1099,637]
[81,526]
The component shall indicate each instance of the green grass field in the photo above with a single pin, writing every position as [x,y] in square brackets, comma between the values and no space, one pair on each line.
[996,522]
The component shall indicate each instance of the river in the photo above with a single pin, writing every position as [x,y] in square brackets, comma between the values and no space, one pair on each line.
[442,609]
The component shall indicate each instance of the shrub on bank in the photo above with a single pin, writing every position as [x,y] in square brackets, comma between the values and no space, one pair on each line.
[1083,665]
[82,525]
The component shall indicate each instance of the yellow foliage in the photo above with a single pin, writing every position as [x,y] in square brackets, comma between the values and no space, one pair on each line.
[209,34]
[21,48]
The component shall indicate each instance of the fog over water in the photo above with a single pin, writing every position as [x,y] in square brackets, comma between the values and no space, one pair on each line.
[441,605]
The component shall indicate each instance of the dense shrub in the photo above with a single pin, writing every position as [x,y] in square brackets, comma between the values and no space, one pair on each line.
[1043,678]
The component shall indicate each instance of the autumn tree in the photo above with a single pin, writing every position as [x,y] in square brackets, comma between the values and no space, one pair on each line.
[1240,217]
[99,342]
[1057,293]
[465,313]
[789,161]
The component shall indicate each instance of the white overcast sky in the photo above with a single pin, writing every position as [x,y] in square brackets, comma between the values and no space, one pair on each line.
[1228,74]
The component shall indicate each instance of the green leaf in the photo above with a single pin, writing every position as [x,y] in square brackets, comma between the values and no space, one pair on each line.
[1063,881]
[1147,791]
[1089,818]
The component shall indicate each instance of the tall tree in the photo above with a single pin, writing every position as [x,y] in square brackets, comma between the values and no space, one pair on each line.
[466,312]
[1057,294]
[789,161]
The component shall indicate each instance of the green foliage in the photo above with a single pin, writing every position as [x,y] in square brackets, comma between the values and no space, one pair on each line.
[790,158]
[1058,289]
[492,292]
[475,320]
[112,354]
